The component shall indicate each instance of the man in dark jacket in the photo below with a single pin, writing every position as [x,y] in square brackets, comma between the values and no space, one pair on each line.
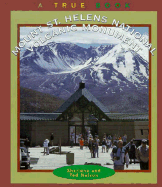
[94,146]
[142,155]
[132,152]
[97,141]
[27,143]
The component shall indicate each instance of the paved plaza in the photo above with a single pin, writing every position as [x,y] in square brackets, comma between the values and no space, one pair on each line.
[39,161]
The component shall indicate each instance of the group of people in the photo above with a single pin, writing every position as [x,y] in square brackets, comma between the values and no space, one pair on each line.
[94,142]
[107,142]
[116,138]
[94,146]
[121,154]
[121,151]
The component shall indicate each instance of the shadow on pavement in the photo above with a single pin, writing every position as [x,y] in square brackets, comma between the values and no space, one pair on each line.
[86,163]
[109,164]
[33,160]
[23,168]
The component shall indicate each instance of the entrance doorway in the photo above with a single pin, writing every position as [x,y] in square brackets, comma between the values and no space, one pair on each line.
[75,132]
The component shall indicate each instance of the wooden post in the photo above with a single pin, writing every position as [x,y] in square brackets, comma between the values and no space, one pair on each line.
[60,145]
[82,124]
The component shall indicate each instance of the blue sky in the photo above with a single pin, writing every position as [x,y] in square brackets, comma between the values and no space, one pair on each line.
[142,30]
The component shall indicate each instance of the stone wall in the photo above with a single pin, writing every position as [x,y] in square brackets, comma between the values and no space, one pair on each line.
[141,129]
[41,130]
[136,129]
[38,131]
[118,128]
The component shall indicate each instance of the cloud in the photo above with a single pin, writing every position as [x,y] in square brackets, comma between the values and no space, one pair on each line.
[79,36]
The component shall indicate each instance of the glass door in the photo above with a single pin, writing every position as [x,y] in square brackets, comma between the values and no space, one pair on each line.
[72,133]
[78,133]
[75,133]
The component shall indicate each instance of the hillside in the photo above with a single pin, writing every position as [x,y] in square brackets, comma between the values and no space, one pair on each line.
[33,101]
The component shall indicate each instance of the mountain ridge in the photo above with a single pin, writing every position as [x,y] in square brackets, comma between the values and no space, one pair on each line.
[109,72]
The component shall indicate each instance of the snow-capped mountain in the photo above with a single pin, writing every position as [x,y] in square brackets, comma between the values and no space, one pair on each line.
[115,74]
[58,57]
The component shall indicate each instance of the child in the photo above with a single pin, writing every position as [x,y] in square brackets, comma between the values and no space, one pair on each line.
[81,143]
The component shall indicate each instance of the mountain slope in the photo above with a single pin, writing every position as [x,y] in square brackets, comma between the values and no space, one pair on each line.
[114,74]
[33,101]
[57,57]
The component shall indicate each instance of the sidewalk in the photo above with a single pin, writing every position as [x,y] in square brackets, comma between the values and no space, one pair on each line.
[53,161]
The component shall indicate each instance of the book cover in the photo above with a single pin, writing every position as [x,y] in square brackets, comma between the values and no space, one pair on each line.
[83,92]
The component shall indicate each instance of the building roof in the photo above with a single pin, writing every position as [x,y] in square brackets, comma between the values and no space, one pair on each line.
[112,116]
[128,116]
[82,91]
[79,93]
[38,116]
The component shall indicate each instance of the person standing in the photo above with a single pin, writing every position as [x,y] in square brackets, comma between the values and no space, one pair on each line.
[81,143]
[52,138]
[118,154]
[71,141]
[124,139]
[94,145]
[143,155]
[27,144]
[90,136]
[45,145]
[107,140]
[103,145]
[108,145]
[73,136]
[110,138]
[132,152]
[97,146]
